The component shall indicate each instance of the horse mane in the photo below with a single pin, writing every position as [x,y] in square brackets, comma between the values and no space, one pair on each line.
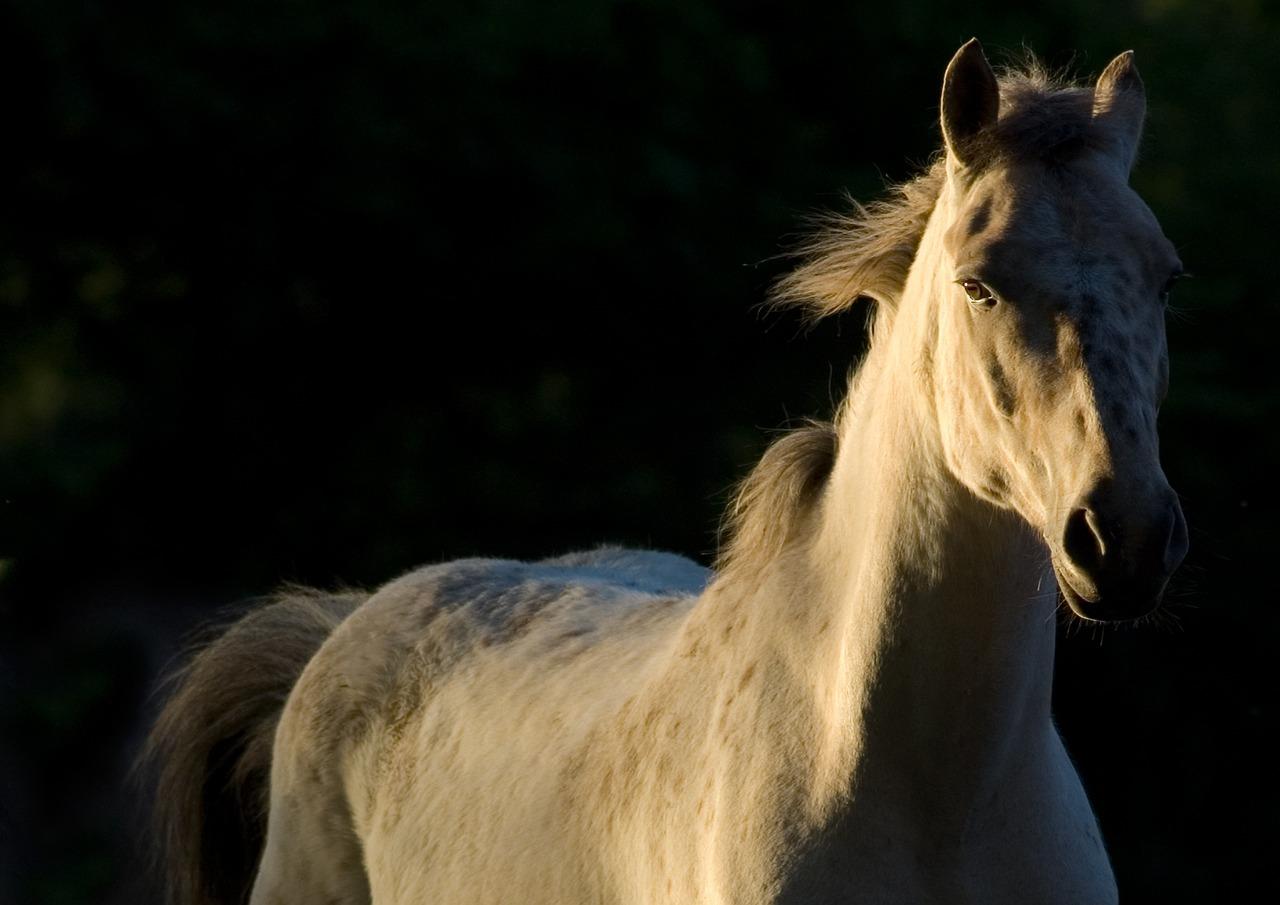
[867,253]
[864,253]
[777,492]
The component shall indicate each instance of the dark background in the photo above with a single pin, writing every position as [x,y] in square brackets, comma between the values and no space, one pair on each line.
[321,291]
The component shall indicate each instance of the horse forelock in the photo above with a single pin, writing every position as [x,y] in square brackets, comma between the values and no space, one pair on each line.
[1041,117]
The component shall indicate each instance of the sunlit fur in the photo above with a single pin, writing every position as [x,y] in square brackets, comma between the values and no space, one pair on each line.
[854,707]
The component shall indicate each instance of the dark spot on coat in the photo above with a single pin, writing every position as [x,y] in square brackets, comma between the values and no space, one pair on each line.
[981,218]
[1001,390]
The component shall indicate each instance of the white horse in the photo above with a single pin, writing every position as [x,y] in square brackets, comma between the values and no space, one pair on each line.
[854,707]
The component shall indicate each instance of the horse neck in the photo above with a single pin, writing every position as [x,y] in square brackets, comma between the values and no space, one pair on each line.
[903,639]
[944,600]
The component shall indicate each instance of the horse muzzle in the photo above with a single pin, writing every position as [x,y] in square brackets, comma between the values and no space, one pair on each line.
[1116,553]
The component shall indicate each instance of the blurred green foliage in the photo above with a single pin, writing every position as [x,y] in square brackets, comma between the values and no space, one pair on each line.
[320,291]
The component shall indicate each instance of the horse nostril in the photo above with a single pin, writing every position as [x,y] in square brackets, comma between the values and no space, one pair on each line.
[1082,541]
[1176,544]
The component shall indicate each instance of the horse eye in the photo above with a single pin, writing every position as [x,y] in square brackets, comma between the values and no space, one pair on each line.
[1168,287]
[978,293]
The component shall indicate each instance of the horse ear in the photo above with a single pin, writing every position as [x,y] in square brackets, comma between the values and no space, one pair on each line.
[1120,106]
[970,99]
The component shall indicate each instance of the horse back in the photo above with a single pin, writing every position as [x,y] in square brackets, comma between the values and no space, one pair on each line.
[444,712]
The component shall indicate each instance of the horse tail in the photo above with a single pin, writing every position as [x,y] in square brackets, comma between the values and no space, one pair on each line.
[208,757]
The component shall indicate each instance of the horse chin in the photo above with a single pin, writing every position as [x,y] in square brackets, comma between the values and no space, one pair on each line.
[1097,608]
[1078,604]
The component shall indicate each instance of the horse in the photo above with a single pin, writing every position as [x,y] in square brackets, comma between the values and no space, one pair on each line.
[854,706]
